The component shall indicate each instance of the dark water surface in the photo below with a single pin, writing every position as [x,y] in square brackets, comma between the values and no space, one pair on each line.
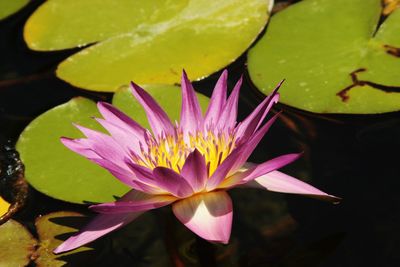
[354,157]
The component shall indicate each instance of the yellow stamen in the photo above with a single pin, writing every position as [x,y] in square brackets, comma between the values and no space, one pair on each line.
[171,151]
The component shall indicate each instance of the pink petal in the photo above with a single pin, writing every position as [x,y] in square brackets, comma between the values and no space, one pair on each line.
[134,201]
[104,146]
[80,146]
[145,180]
[208,215]
[101,225]
[123,137]
[118,118]
[249,125]
[258,170]
[191,117]
[279,182]
[121,174]
[172,182]
[156,116]
[227,119]
[218,100]
[195,170]
[238,157]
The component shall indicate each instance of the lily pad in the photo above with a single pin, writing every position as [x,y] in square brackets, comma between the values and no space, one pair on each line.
[168,96]
[52,229]
[4,205]
[8,7]
[16,245]
[58,172]
[149,42]
[335,56]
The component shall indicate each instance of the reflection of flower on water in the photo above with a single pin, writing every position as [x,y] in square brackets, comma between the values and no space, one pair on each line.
[189,164]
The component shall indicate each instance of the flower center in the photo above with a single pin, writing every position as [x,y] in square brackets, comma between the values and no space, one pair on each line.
[171,151]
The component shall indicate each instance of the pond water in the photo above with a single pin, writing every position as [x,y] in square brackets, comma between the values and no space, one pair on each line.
[354,157]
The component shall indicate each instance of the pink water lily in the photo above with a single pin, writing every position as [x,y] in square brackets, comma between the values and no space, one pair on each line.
[190,164]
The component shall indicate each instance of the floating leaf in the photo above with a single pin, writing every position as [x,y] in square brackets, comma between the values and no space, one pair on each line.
[56,171]
[16,245]
[145,41]
[51,228]
[8,7]
[4,205]
[333,57]
[168,96]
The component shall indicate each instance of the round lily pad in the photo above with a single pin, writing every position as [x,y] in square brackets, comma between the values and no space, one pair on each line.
[149,42]
[8,7]
[56,171]
[335,55]
[16,245]
[168,96]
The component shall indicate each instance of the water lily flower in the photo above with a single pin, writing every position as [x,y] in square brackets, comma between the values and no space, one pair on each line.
[190,165]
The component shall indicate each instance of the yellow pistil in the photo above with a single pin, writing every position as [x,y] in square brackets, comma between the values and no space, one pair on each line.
[171,151]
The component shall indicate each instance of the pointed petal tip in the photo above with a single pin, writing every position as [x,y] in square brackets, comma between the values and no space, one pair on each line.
[102,104]
[64,247]
[58,250]
[334,199]
[134,86]
[184,75]
[277,87]
[65,139]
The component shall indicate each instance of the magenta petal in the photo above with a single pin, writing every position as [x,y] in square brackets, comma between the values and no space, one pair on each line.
[142,174]
[118,118]
[101,225]
[238,157]
[191,117]
[121,174]
[218,100]
[258,170]
[227,119]
[123,137]
[247,127]
[172,182]
[279,182]
[104,145]
[156,116]
[195,170]
[80,146]
[134,201]
[207,215]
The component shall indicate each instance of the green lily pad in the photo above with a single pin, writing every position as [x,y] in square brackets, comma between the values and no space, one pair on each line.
[8,7]
[52,229]
[168,96]
[149,42]
[56,171]
[334,56]
[16,245]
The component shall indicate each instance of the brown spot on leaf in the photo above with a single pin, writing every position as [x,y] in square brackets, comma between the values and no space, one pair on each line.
[343,94]
[391,50]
